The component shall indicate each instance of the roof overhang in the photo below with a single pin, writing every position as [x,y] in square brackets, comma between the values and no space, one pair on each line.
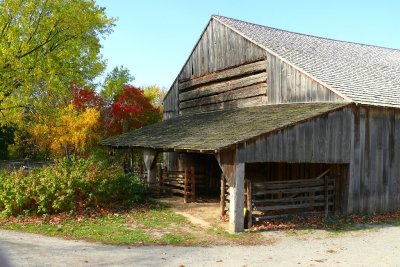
[214,131]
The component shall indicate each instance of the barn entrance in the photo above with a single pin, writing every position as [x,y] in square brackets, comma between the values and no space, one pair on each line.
[197,178]
[279,189]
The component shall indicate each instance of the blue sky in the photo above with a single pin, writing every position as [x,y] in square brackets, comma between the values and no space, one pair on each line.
[153,38]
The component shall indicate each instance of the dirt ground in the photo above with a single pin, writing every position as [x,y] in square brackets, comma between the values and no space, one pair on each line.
[204,212]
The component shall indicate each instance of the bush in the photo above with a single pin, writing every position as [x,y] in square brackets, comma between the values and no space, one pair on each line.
[69,186]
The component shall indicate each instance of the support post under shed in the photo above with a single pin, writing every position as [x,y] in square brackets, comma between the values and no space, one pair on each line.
[149,157]
[236,204]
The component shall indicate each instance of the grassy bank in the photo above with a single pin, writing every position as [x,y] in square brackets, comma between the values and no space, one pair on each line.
[146,225]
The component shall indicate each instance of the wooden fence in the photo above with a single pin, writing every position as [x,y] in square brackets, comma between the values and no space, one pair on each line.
[272,199]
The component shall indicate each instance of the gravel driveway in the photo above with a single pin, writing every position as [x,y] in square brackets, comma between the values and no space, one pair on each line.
[372,247]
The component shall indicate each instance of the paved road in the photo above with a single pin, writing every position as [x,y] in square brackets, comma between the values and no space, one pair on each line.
[360,248]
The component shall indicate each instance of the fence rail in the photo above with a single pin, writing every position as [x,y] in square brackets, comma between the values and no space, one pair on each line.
[273,199]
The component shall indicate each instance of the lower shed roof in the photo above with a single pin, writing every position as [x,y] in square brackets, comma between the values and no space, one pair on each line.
[213,131]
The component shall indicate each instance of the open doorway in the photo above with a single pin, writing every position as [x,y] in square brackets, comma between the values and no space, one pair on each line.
[208,175]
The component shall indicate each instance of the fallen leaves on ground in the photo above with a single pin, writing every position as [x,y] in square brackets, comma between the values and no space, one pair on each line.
[319,221]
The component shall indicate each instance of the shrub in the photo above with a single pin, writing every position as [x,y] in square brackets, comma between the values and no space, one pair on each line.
[68,186]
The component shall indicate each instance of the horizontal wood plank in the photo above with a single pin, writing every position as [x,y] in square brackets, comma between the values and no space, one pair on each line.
[240,103]
[223,86]
[294,206]
[242,70]
[245,92]
[292,190]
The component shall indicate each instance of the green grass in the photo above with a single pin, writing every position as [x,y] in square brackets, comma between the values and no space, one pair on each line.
[132,228]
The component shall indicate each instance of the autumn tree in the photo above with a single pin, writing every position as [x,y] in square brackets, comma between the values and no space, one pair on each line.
[43,46]
[131,110]
[85,97]
[155,94]
[74,132]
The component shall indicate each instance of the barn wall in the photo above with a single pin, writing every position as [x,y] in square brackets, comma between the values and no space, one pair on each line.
[287,84]
[241,86]
[325,139]
[171,108]
[219,48]
[375,160]
[225,71]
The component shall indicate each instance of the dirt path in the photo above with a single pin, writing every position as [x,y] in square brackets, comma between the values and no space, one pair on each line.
[374,247]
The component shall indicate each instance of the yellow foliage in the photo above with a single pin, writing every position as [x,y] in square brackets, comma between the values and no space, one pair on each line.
[72,131]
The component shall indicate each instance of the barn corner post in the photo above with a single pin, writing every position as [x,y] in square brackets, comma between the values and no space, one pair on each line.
[236,204]
[232,164]
[150,158]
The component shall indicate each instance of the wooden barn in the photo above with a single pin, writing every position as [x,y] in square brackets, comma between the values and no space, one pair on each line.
[277,122]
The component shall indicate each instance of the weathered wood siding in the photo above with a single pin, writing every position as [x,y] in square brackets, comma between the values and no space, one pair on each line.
[241,86]
[209,79]
[287,84]
[219,48]
[375,160]
[171,108]
[325,139]
[226,70]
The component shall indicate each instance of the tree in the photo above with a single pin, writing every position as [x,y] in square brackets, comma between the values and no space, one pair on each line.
[114,83]
[155,94]
[74,132]
[85,97]
[131,110]
[44,44]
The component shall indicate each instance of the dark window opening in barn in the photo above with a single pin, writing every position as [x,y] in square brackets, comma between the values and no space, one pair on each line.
[279,189]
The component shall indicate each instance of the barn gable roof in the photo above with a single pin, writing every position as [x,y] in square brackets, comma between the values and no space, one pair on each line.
[213,131]
[363,73]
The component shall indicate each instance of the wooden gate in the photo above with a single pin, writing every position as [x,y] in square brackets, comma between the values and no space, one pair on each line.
[274,199]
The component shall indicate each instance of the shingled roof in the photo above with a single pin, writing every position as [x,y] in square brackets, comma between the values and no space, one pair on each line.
[213,131]
[365,74]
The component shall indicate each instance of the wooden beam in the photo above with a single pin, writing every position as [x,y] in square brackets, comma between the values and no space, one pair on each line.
[222,199]
[225,86]
[244,92]
[242,70]
[239,103]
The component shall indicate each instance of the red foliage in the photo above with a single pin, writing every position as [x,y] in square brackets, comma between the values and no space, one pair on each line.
[85,97]
[131,110]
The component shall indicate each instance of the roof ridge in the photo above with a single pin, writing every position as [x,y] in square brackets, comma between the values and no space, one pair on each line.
[309,35]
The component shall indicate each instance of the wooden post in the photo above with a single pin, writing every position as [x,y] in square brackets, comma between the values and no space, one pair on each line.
[236,204]
[249,206]
[159,171]
[326,196]
[222,203]
[185,189]
[131,161]
[150,156]
[193,183]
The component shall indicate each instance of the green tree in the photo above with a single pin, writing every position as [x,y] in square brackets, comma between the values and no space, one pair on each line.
[114,83]
[44,45]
